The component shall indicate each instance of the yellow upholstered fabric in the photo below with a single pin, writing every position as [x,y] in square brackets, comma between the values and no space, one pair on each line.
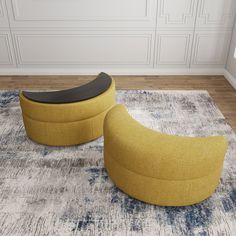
[66,124]
[159,168]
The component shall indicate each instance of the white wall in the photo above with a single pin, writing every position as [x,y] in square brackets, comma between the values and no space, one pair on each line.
[230,72]
[124,37]
[231,64]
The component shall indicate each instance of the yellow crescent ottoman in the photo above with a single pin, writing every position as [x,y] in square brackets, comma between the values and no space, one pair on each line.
[158,168]
[68,123]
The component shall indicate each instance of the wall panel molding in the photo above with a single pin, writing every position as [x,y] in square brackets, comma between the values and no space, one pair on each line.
[1,9]
[84,48]
[216,13]
[82,13]
[178,13]
[126,34]
[3,15]
[6,50]
[210,48]
[173,48]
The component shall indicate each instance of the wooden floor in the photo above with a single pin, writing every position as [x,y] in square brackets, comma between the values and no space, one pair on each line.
[223,94]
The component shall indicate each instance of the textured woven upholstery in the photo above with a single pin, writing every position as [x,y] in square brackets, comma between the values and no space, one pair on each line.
[158,168]
[69,123]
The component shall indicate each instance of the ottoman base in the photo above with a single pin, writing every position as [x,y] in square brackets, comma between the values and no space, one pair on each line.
[159,191]
[64,133]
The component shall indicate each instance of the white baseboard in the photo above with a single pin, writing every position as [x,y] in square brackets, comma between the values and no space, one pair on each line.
[231,79]
[112,71]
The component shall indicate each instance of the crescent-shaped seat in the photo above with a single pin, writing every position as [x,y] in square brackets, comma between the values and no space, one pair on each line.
[158,168]
[68,117]
[78,94]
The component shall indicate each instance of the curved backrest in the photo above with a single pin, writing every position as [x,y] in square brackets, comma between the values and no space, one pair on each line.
[84,92]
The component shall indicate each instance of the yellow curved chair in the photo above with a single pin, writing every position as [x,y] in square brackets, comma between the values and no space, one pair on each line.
[67,121]
[158,168]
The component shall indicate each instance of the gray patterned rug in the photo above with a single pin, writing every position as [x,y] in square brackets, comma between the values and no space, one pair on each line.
[66,191]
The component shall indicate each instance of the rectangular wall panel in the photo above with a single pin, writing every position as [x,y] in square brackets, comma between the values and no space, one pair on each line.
[173,48]
[6,51]
[210,48]
[3,15]
[73,48]
[82,13]
[216,14]
[177,13]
